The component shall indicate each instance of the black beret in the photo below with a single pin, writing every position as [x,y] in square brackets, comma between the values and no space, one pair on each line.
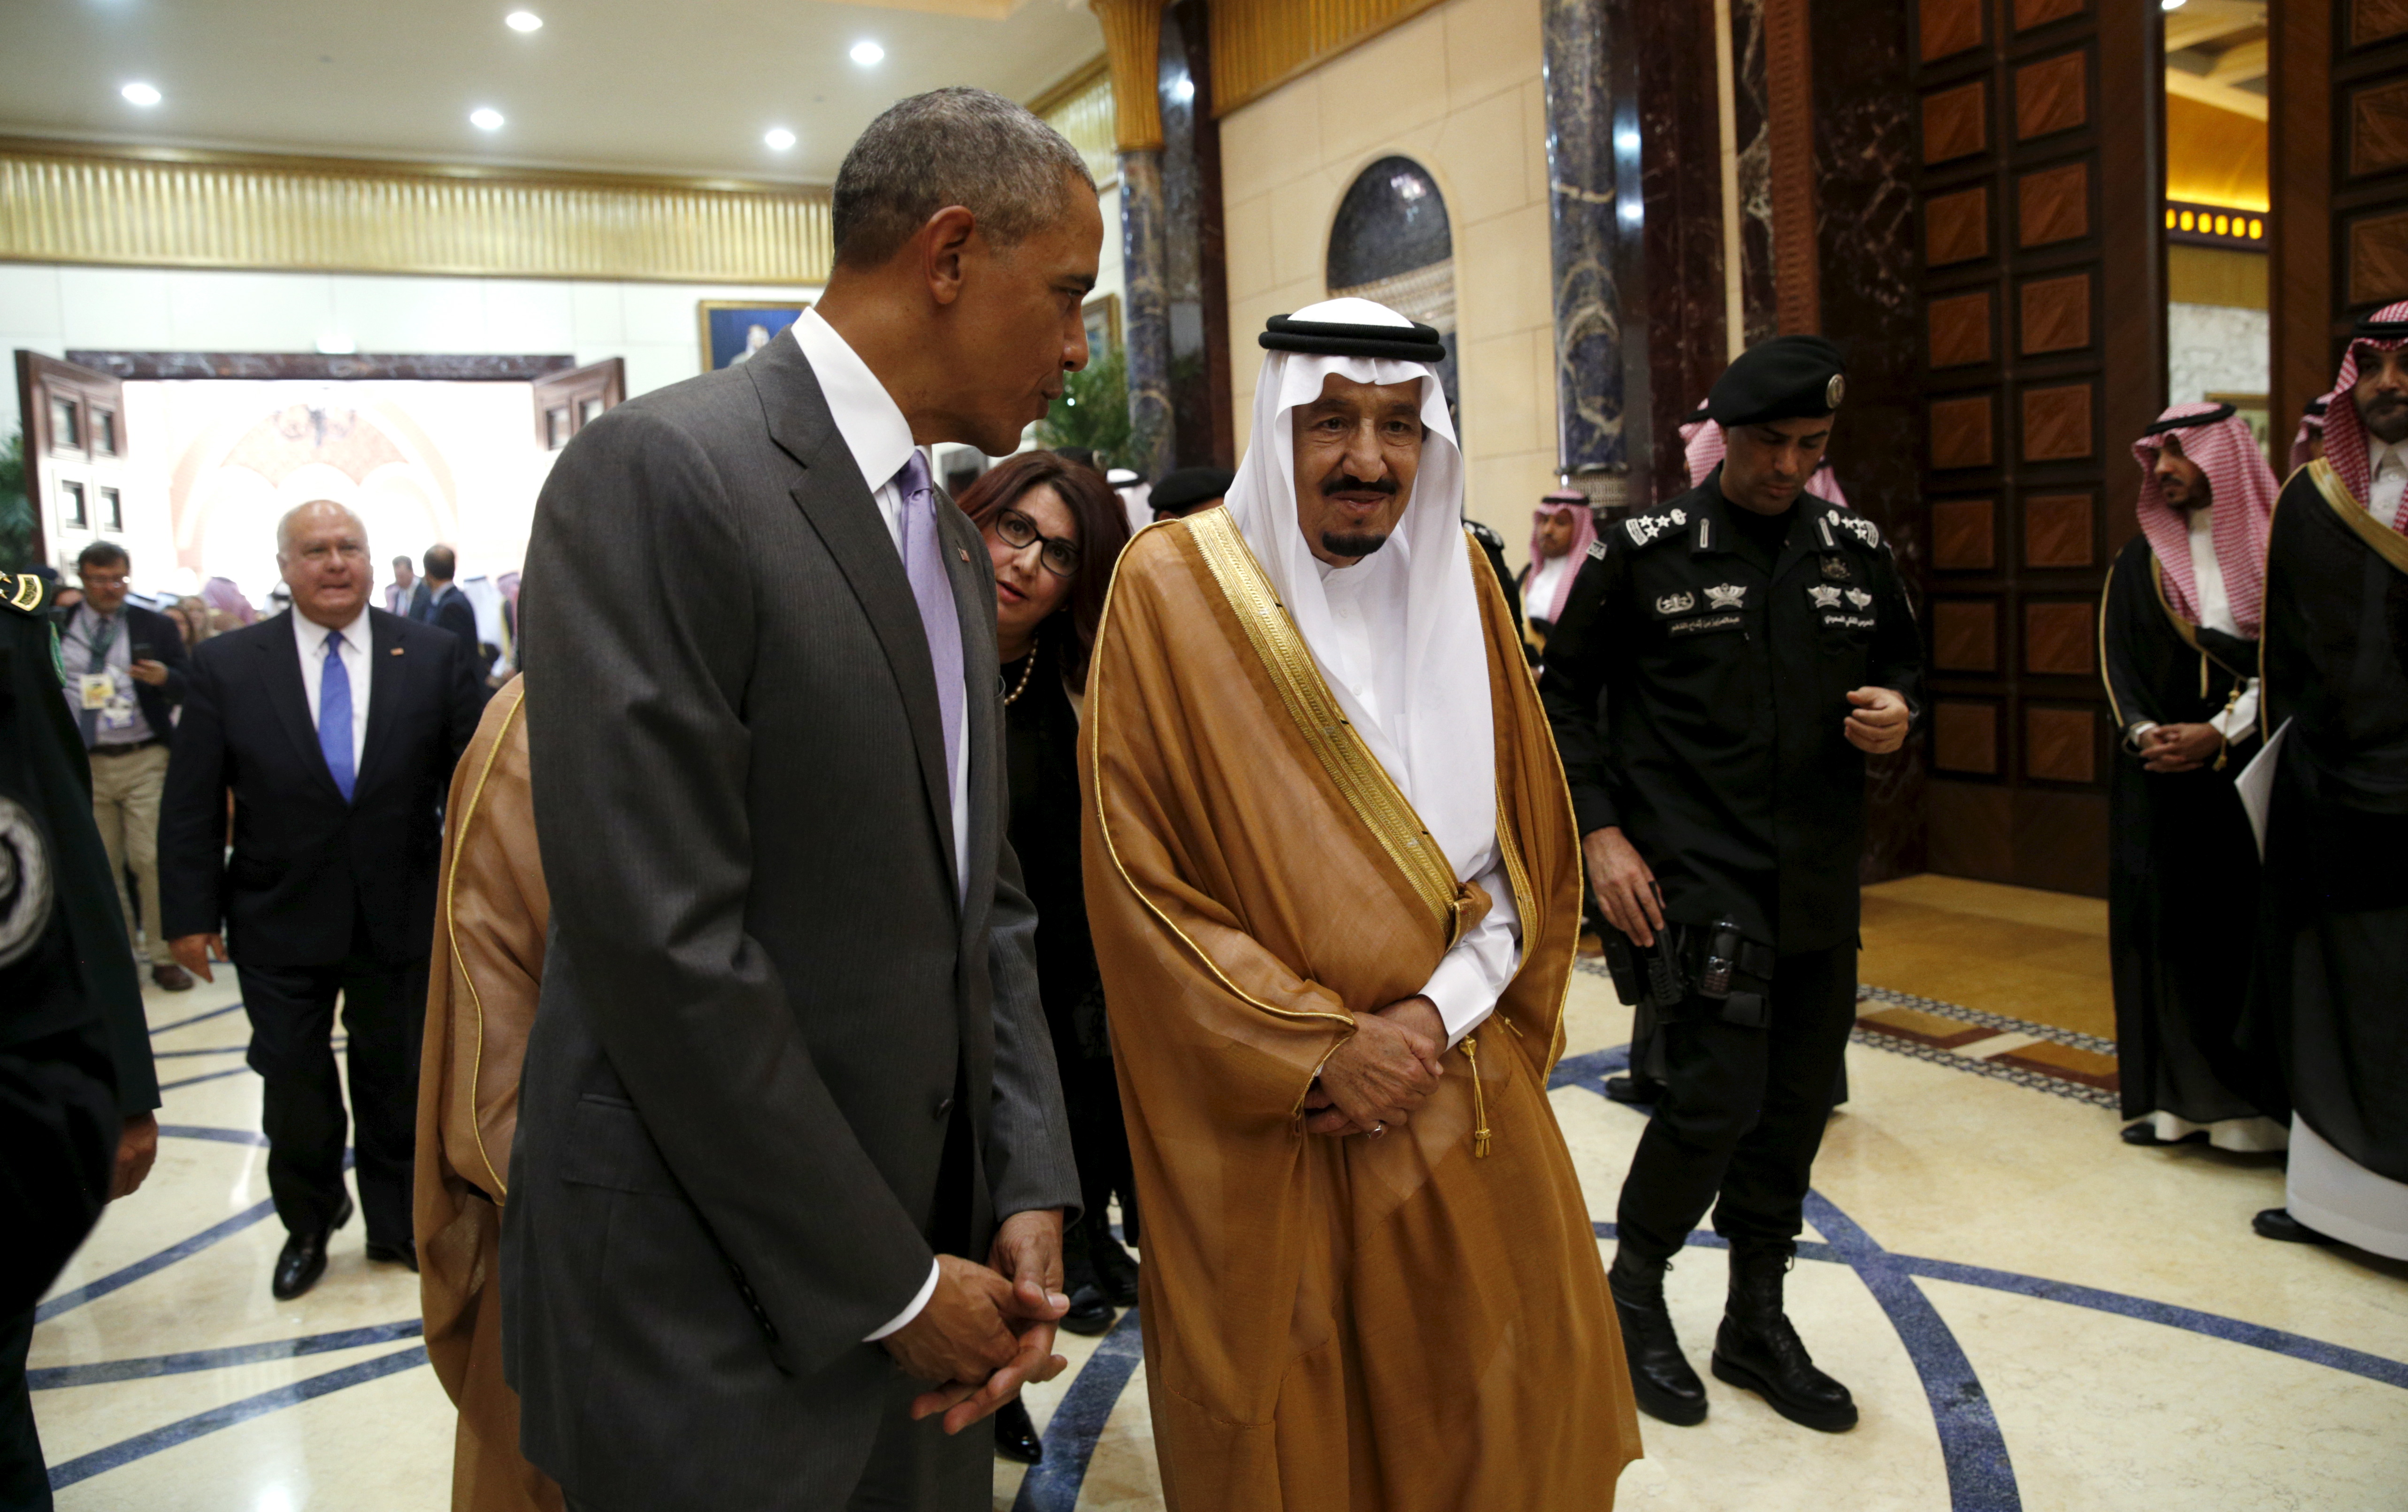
[1787,377]
[1188,487]
[1331,339]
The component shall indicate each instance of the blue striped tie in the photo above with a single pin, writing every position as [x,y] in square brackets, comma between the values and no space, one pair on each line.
[334,714]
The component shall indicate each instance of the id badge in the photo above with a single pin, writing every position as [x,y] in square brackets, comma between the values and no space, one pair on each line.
[98,689]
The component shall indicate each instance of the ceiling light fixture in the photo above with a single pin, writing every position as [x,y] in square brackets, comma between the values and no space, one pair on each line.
[2170,4]
[524,20]
[145,95]
[485,118]
[778,138]
[867,54]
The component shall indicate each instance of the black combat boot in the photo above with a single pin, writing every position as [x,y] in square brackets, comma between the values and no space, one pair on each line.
[1757,1347]
[1668,1389]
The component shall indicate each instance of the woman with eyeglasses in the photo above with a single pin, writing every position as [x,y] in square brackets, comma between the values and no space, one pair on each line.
[1052,533]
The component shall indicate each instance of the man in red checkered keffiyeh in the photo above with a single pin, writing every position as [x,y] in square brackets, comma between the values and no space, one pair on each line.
[2332,949]
[2178,635]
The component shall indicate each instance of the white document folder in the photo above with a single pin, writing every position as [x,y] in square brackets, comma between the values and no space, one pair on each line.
[2256,785]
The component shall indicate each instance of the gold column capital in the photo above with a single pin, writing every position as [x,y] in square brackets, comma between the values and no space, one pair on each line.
[1133,43]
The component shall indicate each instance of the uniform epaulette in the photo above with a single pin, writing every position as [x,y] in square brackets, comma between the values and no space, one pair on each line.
[1646,529]
[25,592]
[1487,535]
[1839,519]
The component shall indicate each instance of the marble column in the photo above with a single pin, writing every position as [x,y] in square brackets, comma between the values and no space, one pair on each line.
[1133,46]
[1594,216]
[1145,328]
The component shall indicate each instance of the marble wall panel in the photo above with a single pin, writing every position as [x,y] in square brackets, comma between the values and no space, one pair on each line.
[1866,115]
[1681,179]
[1759,302]
[2216,349]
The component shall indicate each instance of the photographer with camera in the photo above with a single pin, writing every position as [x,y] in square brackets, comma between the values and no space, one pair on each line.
[1752,645]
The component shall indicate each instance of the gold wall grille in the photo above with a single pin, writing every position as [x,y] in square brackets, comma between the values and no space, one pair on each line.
[1080,108]
[342,216]
[1258,45]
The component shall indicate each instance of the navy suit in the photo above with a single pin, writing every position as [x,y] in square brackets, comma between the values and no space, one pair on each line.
[449,611]
[320,897]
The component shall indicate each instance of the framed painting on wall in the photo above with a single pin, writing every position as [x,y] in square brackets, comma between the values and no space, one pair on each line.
[734,329]
[1103,317]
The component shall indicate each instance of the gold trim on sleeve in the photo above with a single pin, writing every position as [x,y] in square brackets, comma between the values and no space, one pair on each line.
[2388,544]
[1358,775]
[452,936]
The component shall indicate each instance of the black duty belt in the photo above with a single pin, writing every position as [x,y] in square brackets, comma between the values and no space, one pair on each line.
[126,747]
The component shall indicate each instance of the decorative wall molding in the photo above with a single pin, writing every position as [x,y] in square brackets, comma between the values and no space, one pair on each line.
[1080,108]
[1258,45]
[473,367]
[63,202]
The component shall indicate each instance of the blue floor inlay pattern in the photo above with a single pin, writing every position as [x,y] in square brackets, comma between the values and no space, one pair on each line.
[126,1451]
[204,1076]
[60,1377]
[1052,1485]
[232,1007]
[151,1264]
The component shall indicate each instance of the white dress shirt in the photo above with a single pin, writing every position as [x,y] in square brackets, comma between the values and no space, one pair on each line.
[311,636]
[1541,591]
[2387,464]
[873,429]
[1476,970]
[2240,717]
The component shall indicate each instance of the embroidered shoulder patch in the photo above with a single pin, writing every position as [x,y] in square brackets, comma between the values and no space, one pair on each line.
[1646,528]
[1858,526]
[1597,550]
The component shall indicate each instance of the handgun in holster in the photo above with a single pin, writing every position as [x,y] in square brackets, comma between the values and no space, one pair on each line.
[1713,972]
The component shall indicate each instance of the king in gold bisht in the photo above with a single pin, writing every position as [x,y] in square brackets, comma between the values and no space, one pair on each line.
[1335,891]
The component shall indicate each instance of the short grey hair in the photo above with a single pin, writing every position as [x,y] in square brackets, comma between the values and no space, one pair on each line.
[957,146]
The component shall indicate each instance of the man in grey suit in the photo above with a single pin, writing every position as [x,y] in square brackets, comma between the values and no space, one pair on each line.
[789,1082]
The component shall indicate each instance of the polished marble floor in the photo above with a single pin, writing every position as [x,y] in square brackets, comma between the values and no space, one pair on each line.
[2032,1314]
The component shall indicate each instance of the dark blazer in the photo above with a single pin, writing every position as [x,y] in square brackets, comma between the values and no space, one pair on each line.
[449,611]
[761,992]
[151,637]
[303,859]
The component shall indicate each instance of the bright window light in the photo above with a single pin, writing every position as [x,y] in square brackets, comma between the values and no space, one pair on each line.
[867,54]
[778,138]
[2170,4]
[524,20]
[485,118]
[145,95]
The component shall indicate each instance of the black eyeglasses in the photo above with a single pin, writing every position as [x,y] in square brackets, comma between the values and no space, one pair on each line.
[1019,532]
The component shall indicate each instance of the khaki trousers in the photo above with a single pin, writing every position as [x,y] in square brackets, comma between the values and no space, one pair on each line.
[125,806]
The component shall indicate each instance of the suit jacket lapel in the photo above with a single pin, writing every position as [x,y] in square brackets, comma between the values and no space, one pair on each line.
[385,672]
[286,691]
[836,500]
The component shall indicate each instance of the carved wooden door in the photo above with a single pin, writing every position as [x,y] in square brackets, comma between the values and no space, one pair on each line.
[2043,290]
[73,419]
[564,402]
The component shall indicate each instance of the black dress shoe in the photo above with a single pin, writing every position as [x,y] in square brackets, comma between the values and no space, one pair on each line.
[2145,1133]
[1116,1268]
[1089,1314]
[404,1253]
[1757,1349]
[1015,1436]
[303,1258]
[1638,1091]
[2277,1223]
[1666,1388]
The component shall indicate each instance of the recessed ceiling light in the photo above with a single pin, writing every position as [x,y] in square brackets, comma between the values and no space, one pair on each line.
[2170,4]
[867,54]
[524,20]
[145,95]
[485,118]
[778,138]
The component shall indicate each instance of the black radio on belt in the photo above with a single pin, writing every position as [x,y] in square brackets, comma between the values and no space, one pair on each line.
[1645,973]
[1723,939]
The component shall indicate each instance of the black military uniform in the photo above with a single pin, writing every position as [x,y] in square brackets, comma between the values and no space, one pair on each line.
[1725,643]
[75,1055]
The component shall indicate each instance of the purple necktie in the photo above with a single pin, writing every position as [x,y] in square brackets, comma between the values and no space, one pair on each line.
[924,563]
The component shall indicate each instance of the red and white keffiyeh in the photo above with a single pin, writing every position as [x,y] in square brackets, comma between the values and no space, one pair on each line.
[1705,444]
[1583,532]
[2240,487]
[2344,433]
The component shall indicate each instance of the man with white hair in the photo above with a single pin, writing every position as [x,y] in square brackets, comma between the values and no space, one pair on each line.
[335,727]
[1335,894]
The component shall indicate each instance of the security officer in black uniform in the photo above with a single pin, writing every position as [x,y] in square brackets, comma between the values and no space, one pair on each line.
[1751,644]
[77,1084]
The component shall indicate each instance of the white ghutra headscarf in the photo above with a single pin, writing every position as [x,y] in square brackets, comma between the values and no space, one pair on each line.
[1435,730]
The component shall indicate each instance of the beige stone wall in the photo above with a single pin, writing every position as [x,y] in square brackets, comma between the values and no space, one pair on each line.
[1458,90]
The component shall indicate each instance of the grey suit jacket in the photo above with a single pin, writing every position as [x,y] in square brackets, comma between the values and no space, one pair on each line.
[760,987]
